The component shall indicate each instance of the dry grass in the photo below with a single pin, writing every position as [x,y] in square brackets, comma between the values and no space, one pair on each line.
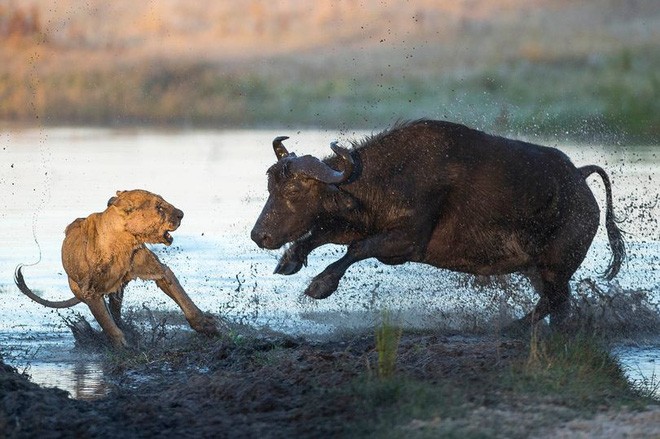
[559,69]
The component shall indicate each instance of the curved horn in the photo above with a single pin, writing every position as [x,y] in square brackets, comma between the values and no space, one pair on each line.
[278,147]
[319,170]
[345,154]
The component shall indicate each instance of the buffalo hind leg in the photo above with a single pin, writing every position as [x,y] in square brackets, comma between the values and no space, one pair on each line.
[386,246]
[559,304]
[554,301]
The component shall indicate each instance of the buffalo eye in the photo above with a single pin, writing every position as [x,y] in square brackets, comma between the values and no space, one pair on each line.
[291,190]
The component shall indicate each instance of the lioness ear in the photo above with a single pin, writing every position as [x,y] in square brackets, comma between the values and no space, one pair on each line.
[113,200]
[121,202]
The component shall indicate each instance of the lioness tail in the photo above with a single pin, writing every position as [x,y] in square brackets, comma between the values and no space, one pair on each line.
[20,283]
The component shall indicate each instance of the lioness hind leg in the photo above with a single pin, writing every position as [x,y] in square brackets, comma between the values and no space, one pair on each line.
[115,300]
[110,328]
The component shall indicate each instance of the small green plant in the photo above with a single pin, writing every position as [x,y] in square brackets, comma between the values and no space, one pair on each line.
[388,336]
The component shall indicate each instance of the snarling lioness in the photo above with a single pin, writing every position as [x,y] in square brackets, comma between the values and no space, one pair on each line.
[106,250]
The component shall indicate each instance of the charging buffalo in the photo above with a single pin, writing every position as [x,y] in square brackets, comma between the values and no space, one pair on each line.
[442,194]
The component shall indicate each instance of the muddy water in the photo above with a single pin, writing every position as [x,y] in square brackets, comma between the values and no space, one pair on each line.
[51,176]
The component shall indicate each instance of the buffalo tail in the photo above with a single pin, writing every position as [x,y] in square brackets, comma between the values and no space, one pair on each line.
[614,235]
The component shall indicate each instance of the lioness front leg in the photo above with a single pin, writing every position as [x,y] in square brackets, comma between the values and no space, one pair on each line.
[391,246]
[146,265]
[199,321]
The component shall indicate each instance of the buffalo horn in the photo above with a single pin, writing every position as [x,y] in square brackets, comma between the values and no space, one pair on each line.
[280,150]
[345,154]
[320,171]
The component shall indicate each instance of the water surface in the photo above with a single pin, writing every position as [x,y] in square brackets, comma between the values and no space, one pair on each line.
[52,176]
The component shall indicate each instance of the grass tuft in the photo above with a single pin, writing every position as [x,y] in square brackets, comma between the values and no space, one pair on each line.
[577,370]
[388,337]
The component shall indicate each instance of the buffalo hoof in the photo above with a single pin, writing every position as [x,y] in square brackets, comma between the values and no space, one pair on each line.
[287,265]
[322,286]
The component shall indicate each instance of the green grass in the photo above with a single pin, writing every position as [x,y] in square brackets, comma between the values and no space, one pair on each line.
[577,371]
[388,336]
[561,378]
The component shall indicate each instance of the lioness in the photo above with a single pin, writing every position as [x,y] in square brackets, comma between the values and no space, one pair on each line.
[106,250]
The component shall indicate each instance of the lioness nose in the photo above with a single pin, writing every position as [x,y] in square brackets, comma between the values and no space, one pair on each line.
[178,213]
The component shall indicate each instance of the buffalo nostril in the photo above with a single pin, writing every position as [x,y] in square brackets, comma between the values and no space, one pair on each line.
[262,239]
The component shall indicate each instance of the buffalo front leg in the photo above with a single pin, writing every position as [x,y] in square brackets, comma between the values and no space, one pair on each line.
[295,257]
[146,265]
[391,246]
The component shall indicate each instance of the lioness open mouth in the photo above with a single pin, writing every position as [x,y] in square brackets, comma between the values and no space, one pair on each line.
[167,237]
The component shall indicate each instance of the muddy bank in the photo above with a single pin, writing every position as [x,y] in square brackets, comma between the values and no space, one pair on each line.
[261,385]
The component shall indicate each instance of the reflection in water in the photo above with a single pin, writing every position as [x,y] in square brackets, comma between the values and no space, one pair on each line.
[82,379]
[49,359]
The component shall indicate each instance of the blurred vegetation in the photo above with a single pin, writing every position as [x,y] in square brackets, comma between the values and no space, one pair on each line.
[532,88]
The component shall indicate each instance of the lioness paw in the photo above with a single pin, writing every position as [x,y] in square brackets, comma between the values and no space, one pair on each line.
[205,324]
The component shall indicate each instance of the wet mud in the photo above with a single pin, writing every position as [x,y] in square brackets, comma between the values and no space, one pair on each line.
[260,384]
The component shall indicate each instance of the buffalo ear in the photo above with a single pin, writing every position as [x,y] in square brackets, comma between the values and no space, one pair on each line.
[337,201]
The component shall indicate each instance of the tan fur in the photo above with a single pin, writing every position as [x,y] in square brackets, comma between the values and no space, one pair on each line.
[106,250]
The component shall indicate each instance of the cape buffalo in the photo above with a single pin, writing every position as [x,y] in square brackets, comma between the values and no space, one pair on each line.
[442,194]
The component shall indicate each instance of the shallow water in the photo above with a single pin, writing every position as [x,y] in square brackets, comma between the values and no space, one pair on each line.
[52,176]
